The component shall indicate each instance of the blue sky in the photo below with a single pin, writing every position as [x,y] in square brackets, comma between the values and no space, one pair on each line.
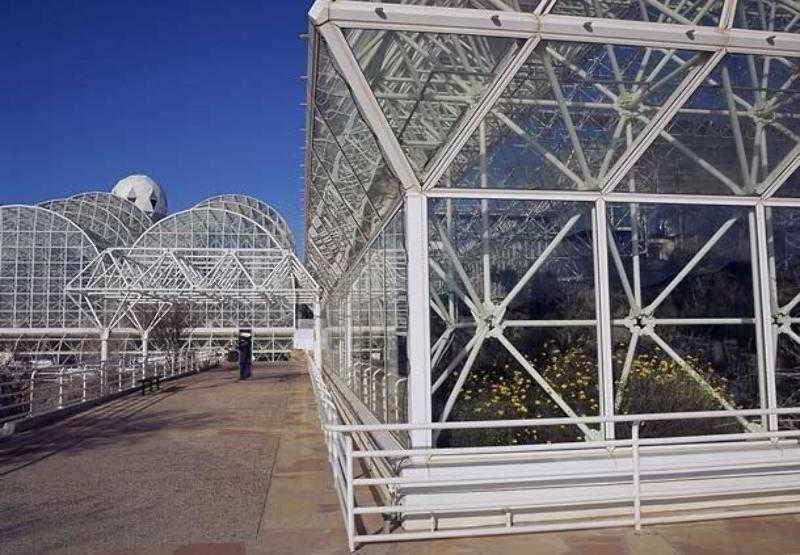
[202,96]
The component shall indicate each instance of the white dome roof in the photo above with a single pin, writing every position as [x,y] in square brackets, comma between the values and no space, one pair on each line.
[144,193]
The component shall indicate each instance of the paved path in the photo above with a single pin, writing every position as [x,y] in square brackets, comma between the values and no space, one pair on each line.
[209,460]
[214,466]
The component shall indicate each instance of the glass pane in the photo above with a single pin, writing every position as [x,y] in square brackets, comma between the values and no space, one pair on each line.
[684,328]
[784,224]
[736,128]
[703,368]
[513,330]
[568,116]
[705,12]
[351,191]
[791,187]
[426,82]
[768,15]
[787,376]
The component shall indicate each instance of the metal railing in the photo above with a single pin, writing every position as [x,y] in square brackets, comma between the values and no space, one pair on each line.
[352,447]
[38,391]
[384,394]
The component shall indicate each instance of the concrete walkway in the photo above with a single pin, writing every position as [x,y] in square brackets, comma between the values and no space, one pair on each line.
[216,466]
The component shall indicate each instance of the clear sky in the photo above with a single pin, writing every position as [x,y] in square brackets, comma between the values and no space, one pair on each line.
[203,96]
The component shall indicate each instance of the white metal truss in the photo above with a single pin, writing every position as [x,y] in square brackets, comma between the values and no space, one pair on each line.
[685,49]
[229,259]
[189,275]
[622,175]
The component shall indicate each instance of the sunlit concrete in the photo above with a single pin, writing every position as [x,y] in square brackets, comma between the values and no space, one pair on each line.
[216,466]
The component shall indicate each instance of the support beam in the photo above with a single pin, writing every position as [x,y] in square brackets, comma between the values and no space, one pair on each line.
[352,14]
[419,351]
[368,106]
[104,335]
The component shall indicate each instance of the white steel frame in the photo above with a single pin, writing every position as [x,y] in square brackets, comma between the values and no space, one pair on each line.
[757,197]
[76,271]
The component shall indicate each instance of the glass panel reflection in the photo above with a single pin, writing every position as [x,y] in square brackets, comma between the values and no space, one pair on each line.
[513,327]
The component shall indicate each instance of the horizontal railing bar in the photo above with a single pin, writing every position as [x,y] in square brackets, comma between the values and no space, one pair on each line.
[417,482]
[495,530]
[585,445]
[461,508]
[413,481]
[539,422]
[582,502]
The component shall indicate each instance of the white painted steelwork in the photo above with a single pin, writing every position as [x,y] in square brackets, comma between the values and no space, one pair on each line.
[596,200]
[92,273]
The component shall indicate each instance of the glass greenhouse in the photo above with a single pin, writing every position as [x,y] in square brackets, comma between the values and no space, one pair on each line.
[90,276]
[576,212]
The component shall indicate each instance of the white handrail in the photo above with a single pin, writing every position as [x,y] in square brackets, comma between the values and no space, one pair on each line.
[56,388]
[346,450]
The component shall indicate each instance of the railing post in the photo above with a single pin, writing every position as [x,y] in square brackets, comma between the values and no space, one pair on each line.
[145,351]
[637,489]
[61,388]
[349,491]
[30,402]
[104,335]
[318,334]
[83,392]
[386,397]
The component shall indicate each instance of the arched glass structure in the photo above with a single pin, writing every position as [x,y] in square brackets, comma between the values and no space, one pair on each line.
[225,264]
[207,228]
[262,213]
[40,251]
[105,228]
[236,223]
[131,216]
[75,271]
[596,201]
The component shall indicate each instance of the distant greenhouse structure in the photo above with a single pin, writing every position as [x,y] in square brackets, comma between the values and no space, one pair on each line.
[537,222]
[91,276]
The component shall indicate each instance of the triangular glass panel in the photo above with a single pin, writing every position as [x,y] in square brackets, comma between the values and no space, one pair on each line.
[340,173]
[654,11]
[351,190]
[767,15]
[426,82]
[727,139]
[568,116]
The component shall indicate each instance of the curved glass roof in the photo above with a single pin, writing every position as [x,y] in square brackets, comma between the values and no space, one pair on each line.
[40,252]
[104,228]
[205,227]
[131,215]
[256,210]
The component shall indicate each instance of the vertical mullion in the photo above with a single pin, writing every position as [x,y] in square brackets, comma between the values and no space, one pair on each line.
[758,311]
[419,356]
[603,309]
[767,306]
